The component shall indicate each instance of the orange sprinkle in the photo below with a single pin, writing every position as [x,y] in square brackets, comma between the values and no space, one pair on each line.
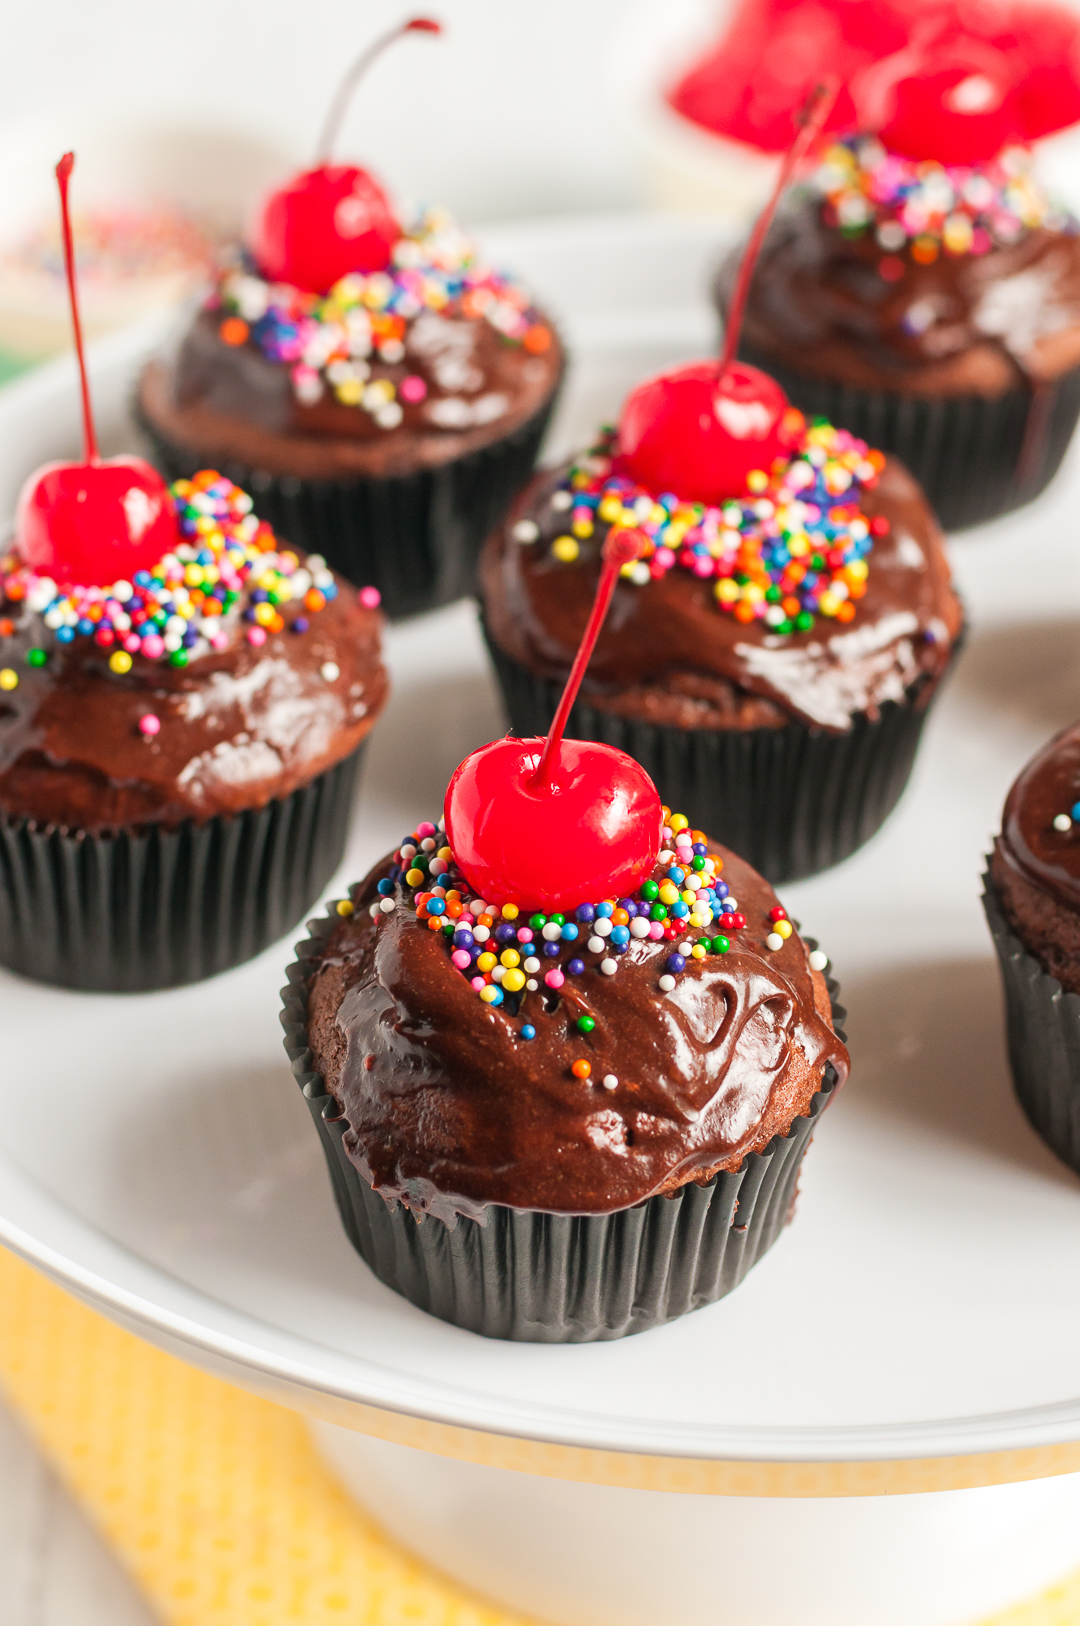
[744,612]
[620,917]
[846,612]
[6,628]
[538,340]
[435,923]
[485,920]
[581,1069]
[234,330]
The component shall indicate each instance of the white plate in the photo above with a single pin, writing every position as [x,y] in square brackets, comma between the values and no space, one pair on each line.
[155,1154]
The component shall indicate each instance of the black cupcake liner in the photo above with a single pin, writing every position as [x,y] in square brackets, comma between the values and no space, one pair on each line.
[550,1278]
[791,800]
[975,458]
[151,908]
[416,537]
[1042,1022]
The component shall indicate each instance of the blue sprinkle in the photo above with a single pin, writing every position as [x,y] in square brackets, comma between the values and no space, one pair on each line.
[620,936]
[1074,811]
[576,967]
[699,849]
[727,908]
[505,933]
[676,874]
[528,1031]
[680,910]
[585,913]
[551,949]
[436,906]
[721,889]
[85,628]
[300,624]
[675,962]
[569,932]
[385,888]
[65,635]
[498,995]
[629,905]
[329,591]
[142,578]
[605,910]
[463,938]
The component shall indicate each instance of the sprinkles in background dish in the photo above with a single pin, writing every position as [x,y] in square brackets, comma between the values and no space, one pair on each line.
[229,574]
[330,341]
[685,903]
[930,206]
[795,547]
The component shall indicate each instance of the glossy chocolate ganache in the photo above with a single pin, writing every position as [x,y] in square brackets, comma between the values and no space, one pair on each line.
[669,654]
[451,1105]
[389,372]
[94,739]
[879,286]
[1035,865]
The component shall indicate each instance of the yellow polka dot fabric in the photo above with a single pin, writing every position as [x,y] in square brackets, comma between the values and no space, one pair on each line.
[216,1501]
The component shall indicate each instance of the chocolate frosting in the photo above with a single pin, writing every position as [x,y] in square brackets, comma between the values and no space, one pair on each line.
[238,728]
[1050,785]
[669,654]
[226,403]
[449,1109]
[965,324]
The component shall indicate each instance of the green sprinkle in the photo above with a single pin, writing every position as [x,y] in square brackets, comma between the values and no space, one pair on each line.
[698,862]
[720,945]
[538,922]
[557,920]
[179,657]
[585,1024]
[650,891]
[658,911]
[36,657]
[804,621]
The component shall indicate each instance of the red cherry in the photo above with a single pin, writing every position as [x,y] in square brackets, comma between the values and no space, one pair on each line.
[553,823]
[593,832]
[335,218]
[95,523]
[698,432]
[322,225]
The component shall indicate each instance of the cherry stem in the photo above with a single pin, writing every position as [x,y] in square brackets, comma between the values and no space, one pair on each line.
[815,111]
[63,176]
[339,106]
[621,547]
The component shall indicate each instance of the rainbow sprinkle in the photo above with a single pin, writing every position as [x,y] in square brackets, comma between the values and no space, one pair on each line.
[684,904]
[929,206]
[330,342]
[794,548]
[229,575]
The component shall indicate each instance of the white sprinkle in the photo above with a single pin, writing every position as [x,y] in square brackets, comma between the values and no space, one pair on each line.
[1063,822]
[375,910]
[601,927]
[330,670]
[640,574]
[477,906]
[667,983]
[481,934]
[408,850]
[532,965]
[665,857]
[610,1082]
[441,824]
[818,961]
[639,927]
[532,985]
[609,967]
[428,844]
[733,904]
[526,530]
[596,945]
[387,906]
[561,501]
[686,949]
[498,972]
[552,932]
[774,941]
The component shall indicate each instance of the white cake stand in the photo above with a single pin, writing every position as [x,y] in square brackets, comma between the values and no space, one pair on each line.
[881,1427]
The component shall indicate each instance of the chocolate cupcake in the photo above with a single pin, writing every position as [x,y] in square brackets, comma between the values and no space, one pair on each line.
[923,290]
[380,389]
[1032,902]
[771,661]
[178,751]
[613,1140]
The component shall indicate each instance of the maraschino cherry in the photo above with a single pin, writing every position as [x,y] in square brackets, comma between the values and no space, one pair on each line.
[99,521]
[699,430]
[549,824]
[335,218]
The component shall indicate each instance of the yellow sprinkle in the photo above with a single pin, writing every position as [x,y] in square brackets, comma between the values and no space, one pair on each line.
[486,962]
[414,877]
[828,603]
[669,893]
[783,927]
[698,952]
[727,591]
[514,981]
[677,822]
[858,569]
[489,994]
[566,549]
[753,593]
[345,907]
[264,614]
[445,854]
[349,391]
[757,480]
[583,527]
[510,958]
[9,679]
[120,661]
[510,911]
[798,547]
[193,575]
[688,897]
[610,509]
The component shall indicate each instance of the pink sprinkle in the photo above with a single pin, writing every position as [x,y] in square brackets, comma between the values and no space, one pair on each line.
[656,930]
[425,830]
[477,983]
[218,639]
[153,646]
[133,643]
[525,934]
[554,979]
[412,388]
[149,725]
[461,959]
[665,558]
[256,636]
[370,597]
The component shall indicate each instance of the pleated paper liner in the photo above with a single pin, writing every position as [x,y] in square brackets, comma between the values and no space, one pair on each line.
[146,909]
[791,801]
[1043,1026]
[975,457]
[557,1278]
[416,537]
